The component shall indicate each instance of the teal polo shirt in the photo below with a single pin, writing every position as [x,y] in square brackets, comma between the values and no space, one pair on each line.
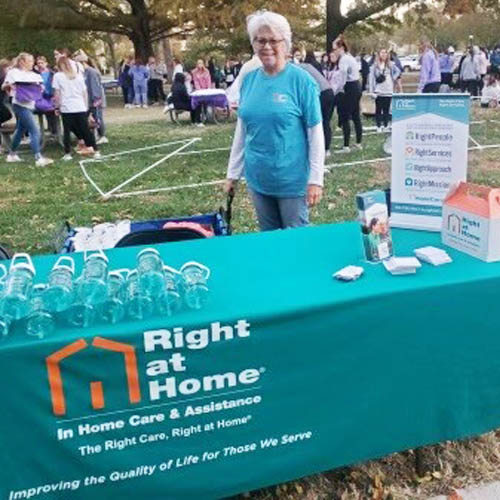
[277,111]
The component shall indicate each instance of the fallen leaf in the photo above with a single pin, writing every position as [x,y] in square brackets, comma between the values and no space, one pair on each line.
[437,475]
[455,496]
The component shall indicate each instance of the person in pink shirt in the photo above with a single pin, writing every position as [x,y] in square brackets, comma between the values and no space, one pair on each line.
[201,76]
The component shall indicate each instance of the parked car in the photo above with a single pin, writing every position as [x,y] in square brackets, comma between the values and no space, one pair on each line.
[411,62]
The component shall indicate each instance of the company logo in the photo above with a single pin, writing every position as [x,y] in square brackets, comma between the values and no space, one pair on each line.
[406,104]
[280,98]
[53,363]
[454,223]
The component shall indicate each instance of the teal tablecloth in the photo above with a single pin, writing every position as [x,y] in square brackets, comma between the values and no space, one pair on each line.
[351,370]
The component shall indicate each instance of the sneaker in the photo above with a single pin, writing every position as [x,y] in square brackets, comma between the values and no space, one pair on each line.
[379,130]
[200,124]
[358,146]
[137,106]
[387,129]
[345,149]
[328,153]
[25,141]
[103,140]
[43,162]
[145,106]
[13,158]
[97,155]
[67,157]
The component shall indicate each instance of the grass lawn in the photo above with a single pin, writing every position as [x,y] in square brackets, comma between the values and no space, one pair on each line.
[35,202]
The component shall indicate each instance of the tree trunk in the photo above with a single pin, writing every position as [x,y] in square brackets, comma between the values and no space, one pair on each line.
[167,54]
[335,22]
[111,46]
[141,37]
[143,47]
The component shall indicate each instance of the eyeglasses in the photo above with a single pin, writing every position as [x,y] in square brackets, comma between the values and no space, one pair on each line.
[262,42]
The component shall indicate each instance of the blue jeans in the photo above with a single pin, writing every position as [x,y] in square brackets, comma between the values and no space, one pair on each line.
[25,122]
[141,92]
[280,213]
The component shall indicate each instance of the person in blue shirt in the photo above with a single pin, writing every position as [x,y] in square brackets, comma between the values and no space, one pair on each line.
[279,142]
[140,76]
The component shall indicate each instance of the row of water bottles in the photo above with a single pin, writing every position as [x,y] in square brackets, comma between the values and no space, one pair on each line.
[97,295]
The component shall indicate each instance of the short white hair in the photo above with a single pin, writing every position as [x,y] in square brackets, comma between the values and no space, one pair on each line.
[272,20]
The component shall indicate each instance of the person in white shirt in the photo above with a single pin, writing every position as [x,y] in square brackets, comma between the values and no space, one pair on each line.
[72,102]
[490,95]
[381,82]
[349,108]
[25,87]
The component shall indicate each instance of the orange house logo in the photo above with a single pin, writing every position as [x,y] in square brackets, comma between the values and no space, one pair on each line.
[96,390]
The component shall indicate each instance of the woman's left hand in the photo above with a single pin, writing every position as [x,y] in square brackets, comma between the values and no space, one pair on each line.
[314,194]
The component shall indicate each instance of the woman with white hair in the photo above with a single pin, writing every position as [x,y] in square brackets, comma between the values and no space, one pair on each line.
[279,140]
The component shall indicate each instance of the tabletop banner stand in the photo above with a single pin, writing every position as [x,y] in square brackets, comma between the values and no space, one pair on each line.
[430,134]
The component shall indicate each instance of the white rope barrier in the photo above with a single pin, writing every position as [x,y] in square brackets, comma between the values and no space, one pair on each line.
[147,169]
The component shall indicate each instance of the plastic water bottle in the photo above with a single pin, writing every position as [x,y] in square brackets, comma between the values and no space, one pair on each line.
[18,287]
[139,304]
[150,272]
[4,320]
[58,294]
[170,300]
[113,308]
[39,323]
[90,290]
[195,284]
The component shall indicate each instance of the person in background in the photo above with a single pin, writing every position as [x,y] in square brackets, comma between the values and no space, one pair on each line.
[490,95]
[310,58]
[336,80]
[178,68]
[140,76]
[348,107]
[495,60]
[228,73]
[470,72]
[398,84]
[326,98]
[279,140]
[446,66]
[182,101]
[383,75]
[96,96]
[201,76]
[25,87]
[297,56]
[155,82]
[126,82]
[42,67]
[365,71]
[216,73]
[325,62]
[77,67]
[72,102]
[430,74]
[483,65]
[5,114]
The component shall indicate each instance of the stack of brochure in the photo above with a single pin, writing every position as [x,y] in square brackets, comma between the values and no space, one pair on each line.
[402,265]
[433,255]
[349,273]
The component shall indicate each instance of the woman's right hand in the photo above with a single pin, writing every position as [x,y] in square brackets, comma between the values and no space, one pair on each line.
[230,186]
